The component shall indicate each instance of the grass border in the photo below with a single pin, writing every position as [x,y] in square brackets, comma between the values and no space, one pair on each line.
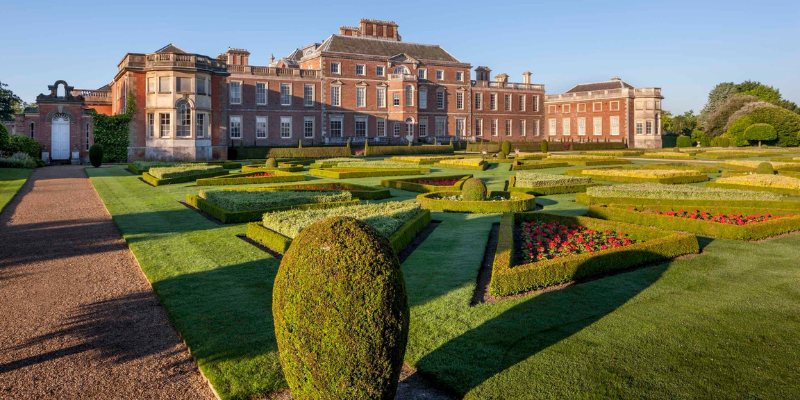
[656,245]
[234,217]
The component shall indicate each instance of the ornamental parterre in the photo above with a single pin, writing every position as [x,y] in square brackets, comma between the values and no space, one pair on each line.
[733,219]
[547,240]
[260,175]
[438,182]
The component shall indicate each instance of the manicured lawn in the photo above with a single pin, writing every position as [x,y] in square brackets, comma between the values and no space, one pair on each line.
[723,324]
[11,180]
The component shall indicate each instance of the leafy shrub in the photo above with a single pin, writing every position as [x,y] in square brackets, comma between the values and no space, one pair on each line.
[535,179]
[18,160]
[111,132]
[473,189]
[271,163]
[684,141]
[183,170]
[236,200]
[765,168]
[760,132]
[776,183]
[786,124]
[505,147]
[307,152]
[464,163]
[495,202]
[543,146]
[386,218]
[403,150]
[354,350]
[645,175]
[247,178]
[676,192]
[96,155]
[24,144]
[4,138]
[753,164]
[720,141]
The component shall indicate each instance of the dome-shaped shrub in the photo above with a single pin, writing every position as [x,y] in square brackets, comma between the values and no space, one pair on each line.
[272,163]
[473,190]
[96,155]
[341,313]
[505,147]
[544,146]
[765,168]
[683,141]
[760,132]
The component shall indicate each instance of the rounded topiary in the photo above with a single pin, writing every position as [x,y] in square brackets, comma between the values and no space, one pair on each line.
[505,147]
[765,168]
[271,163]
[683,141]
[720,141]
[543,146]
[341,313]
[501,155]
[4,138]
[473,189]
[96,155]
[760,132]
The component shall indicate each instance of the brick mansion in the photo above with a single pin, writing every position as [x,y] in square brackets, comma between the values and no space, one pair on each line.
[363,83]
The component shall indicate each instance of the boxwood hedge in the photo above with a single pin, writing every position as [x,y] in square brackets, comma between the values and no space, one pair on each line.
[642,175]
[234,217]
[358,191]
[414,185]
[549,189]
[348,173]
[183,178]
[514,202]
[245,178]
[788,222]
[524,165]
[654,245]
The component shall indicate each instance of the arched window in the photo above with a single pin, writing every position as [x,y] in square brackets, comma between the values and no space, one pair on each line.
[184,120]
[409,95]
[61,90]
[410,126]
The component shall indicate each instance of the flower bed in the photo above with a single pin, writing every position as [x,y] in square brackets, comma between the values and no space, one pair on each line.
[358,191]
[262,176]
[771,183]
[285,167]
[233,206]
[421,160]
[464,163]
[333,162]
[399,221]
[646,194]
[714,221]
[497,202]
[669,176]
[429,184]
[523,165]
[751,165]
[513,273]
[546,184]
[615,153]
[348,173]
[182,173]
[668,155]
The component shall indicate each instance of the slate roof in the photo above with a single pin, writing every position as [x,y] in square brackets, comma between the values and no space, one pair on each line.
[385,48]
[170,48]
[608,85]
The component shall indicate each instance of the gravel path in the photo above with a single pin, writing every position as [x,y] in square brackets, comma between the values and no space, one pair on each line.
[78,318]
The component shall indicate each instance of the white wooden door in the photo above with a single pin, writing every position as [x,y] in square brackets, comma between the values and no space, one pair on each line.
[59,137]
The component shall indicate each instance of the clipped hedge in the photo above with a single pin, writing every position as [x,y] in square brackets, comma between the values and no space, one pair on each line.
[655,245]
[754,231]
[413,185]
[494,147]
[644,175]
[597,163]
[147,177]
[410,150]
[526,165]
[514,202]
[420,160]
[475,164]
[358,191]
[770,183]
[235,217]
[244,178]
[399,240]
[285,167]
[548,189]
[349,173]
[140,167]
[589,200]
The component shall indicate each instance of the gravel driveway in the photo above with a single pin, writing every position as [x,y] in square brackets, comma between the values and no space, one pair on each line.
[78,319]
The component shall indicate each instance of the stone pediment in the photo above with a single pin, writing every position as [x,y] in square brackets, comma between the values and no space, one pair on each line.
[403,58]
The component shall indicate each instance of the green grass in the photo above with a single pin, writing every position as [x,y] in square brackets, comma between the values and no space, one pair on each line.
[11,180]
[722,324]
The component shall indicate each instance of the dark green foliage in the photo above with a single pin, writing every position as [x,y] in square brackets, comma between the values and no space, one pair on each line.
[786,124]
[683,141]
[508,278]
[512,202]
[543,146]
[111,132]
[96,155]
[410,150]
[4,138]
[726,98]
[271,163]
[765,168]
[235,217]
[760,132]
[10,103]
[720,141]
[505,147]
[341,313]
[473,189]
[24,144]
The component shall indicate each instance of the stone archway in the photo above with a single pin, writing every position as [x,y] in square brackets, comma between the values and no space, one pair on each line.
[59,137]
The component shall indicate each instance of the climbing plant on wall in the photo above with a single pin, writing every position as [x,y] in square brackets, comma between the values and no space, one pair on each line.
[111,132]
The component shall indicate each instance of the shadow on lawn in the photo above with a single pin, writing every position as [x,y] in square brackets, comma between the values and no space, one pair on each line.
[468,360]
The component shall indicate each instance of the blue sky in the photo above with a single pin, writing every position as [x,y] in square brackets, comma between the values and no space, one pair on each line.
[683,47]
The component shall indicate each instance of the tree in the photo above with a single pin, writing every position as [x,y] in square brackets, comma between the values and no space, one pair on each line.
[10,104]
[716,123]
[721,94]
[760,132]
[666,122]
[785,122]
[718,95]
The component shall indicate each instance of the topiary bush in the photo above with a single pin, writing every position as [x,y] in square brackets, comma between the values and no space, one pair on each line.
[473,190]
[765,168]
[543,146]
[271,163]
[760,132]
[341,313]
[96,155]
[785,122]
[683,141]
[505,148]
[720,141]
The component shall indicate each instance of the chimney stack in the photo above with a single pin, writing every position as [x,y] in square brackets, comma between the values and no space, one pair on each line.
[526,77]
